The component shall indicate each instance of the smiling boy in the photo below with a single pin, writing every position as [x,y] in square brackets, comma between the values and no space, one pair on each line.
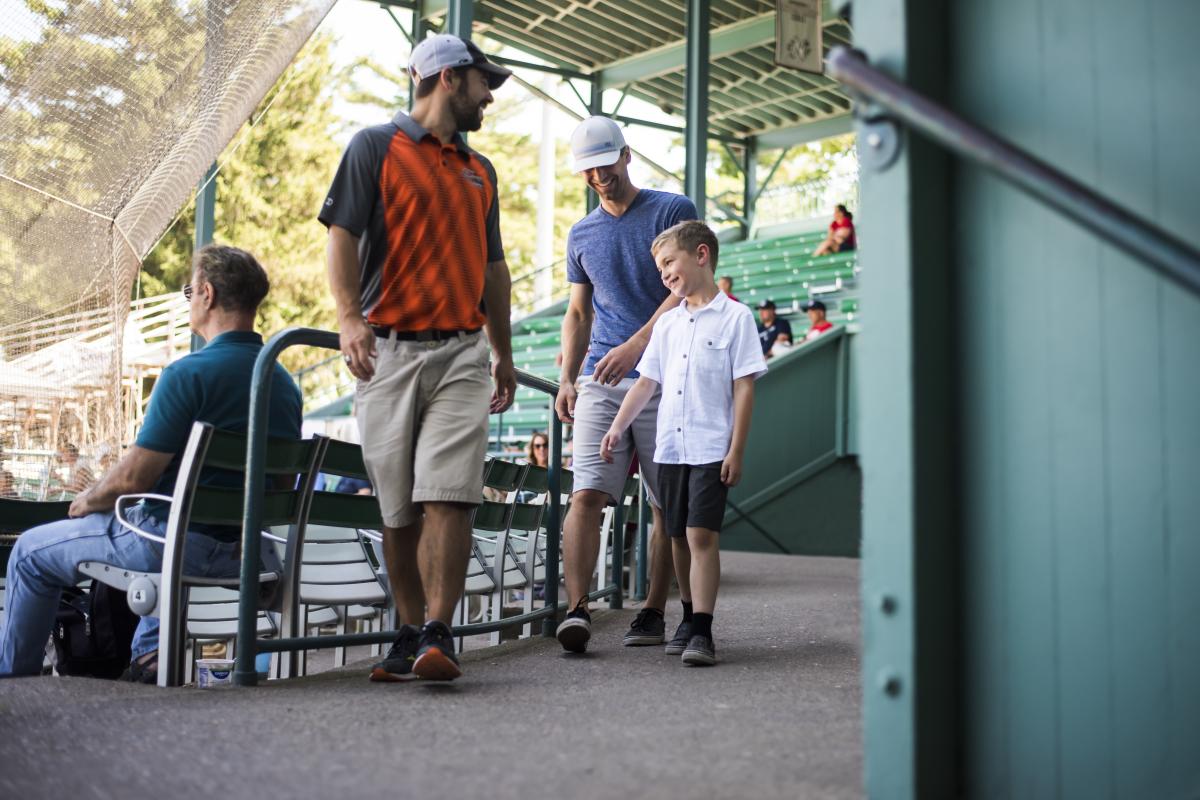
[705,355]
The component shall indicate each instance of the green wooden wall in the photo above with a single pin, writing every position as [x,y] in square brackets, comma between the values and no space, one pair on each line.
[1066,535]
[1081,408]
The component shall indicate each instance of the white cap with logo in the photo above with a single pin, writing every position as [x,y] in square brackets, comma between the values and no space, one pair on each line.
[596,142]
[447,51]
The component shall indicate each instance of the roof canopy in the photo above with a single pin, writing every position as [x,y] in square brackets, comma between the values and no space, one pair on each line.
[639,46]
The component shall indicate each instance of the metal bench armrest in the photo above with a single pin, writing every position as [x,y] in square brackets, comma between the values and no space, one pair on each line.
[119,513]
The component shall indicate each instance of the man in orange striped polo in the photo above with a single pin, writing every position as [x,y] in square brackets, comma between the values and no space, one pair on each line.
[417,269]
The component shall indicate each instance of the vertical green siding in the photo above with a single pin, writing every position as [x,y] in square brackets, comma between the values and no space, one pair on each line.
[1080,396]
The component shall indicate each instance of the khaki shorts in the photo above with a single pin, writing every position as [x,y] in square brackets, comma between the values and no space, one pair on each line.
[595,408]
[423,419]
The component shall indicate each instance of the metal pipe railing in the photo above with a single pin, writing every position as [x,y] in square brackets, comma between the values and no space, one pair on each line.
[1160,250]
[248,644]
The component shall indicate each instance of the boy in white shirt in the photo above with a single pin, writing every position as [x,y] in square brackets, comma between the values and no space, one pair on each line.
[706,355]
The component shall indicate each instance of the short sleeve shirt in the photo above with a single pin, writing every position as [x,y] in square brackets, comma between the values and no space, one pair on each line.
[768,334]
[696,356]
[213,385]
[612,254]
[427,215]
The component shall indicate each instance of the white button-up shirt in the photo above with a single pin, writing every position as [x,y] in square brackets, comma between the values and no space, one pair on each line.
[696,357]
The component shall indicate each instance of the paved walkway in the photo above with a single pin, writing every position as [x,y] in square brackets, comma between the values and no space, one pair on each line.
[777,718]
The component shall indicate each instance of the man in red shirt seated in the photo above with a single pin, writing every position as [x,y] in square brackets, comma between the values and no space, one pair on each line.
[816,317]
[841,238]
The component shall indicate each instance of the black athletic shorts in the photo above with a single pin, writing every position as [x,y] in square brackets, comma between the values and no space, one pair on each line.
[692,496]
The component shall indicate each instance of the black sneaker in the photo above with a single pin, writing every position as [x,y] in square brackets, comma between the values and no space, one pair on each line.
[397,664]
[679,641]
[435,654]
[648,628]
[574,631]
[700,651]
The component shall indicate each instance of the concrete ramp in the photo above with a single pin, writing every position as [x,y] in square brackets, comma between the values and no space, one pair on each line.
[777,718]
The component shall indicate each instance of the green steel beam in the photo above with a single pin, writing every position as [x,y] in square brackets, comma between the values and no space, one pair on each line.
[595,106]
[806,132]
[460,14]
[696,103]
[749,184]
[908,368]
[206,209]
[724,41]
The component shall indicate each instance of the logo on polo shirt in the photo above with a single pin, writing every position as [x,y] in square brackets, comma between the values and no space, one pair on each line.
[472,177]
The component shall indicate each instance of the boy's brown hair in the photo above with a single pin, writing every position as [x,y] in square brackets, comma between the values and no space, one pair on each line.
[689,236]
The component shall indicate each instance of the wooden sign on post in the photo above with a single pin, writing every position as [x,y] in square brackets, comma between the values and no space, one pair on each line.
[798,35]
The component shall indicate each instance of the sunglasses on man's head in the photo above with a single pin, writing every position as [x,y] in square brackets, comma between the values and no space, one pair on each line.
[187,292]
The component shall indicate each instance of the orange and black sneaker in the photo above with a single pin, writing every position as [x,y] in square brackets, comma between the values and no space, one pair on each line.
[435,653]
[397,665]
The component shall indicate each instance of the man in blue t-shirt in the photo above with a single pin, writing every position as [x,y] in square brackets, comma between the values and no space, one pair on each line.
[616,296]
[211,385]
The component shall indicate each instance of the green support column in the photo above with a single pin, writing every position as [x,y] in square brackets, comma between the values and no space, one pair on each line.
[696,103]
[908,424]
[749,184]
[459,16]
[595,106]
[417,34]
[206,208]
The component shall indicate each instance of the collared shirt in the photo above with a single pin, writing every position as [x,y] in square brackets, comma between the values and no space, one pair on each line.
[612,255]
[427,215]
[696,356]
[213,385]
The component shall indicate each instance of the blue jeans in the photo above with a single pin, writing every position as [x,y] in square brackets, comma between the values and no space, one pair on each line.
[45,559]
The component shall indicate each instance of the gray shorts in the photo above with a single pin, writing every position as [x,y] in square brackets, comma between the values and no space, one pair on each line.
[595,409]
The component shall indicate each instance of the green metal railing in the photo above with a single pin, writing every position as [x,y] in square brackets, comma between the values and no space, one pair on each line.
[1158,249]
[248,643]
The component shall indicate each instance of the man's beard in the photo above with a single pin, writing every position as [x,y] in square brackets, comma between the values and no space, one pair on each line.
[467,116]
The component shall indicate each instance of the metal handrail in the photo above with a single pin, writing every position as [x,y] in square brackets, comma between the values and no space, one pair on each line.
[1158,249]
[248,644]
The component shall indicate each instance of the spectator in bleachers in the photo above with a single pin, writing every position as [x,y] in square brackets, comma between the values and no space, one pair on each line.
[8,484]
[74,473]
[704,418]
[725,284]
[538,452]
[412,207]
[211,385]
[841,238]
[772,330]
[816,318]
[616,297]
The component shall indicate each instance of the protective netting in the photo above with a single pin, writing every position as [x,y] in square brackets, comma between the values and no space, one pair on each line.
[110,113]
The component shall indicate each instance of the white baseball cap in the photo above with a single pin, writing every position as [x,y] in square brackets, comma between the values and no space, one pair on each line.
[447,51]
[596,142]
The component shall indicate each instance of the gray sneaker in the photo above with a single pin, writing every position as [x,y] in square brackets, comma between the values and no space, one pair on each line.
[700,651]
[679,641]
[648,628]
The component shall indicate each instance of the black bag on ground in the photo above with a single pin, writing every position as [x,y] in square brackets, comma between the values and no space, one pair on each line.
[93,632]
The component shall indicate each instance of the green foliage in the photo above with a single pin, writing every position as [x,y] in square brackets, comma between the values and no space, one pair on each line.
[272,179]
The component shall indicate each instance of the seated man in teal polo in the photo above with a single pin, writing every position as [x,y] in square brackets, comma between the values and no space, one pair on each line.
[211,385]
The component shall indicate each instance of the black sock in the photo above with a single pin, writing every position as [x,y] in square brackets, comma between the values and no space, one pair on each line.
[702,625]
[687,610]
[653,611]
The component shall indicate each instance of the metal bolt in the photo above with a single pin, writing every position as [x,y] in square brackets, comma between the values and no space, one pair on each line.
[891,684]
[888,604]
